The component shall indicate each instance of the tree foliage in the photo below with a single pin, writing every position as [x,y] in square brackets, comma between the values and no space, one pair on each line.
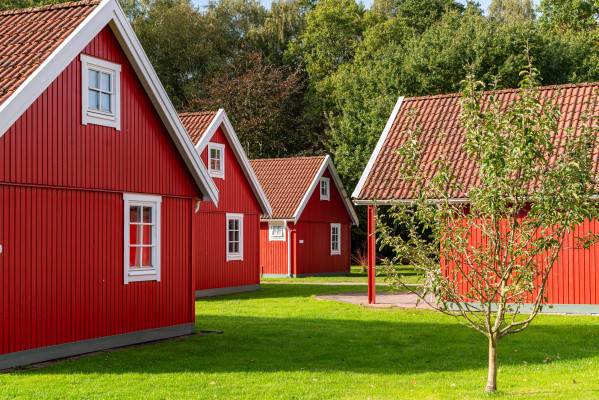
[535,186]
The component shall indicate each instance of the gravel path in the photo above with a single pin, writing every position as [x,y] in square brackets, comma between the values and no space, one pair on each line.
[383,299]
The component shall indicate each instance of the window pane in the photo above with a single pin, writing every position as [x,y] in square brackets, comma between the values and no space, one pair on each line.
[134,257]
[94,100]
[231,236]
[105,105]
[134,234]
[147,215]
[94,79]
[231,247]
[215,165]
[147,234]
[146,256]
[106,86]
[231,224]
[134,214]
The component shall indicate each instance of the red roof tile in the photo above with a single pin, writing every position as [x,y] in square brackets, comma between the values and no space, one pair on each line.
[434,114]
[197,123]
[29,36]
[286,181]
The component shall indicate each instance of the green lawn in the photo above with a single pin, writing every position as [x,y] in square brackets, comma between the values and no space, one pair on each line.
[281,343]
[356,276]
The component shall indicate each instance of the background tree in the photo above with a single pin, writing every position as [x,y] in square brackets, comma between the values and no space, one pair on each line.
[569,15]
[493,259]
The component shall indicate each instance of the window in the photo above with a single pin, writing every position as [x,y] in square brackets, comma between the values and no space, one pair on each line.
[100,86]
[335,239]
[324,189]
[216,160]
[276,231]
[234,237]
[142,238]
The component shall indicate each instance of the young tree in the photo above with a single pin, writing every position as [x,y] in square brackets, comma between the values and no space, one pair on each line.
[534,185]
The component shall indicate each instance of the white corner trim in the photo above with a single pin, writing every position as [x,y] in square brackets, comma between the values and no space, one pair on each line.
[141,274]
[109,12]
[89,117]
[235,256]
[327,163]
[377,149]
[219,119]
[217,173]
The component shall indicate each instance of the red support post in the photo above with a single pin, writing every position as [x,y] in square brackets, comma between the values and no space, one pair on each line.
[371,255]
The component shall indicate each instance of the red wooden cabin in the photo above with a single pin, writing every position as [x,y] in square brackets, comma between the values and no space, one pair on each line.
[309,231]
[98,188]
[226,245]
[573,285]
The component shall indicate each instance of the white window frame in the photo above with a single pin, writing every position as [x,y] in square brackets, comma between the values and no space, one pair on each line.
[338,251]
[95,117]
[276,238]
[235,256]
[217,173]
[142,274]
[326,196]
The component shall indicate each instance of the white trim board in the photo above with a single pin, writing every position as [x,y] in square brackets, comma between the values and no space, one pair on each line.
[109,12]
[327,163]
[377,149]
[221,119]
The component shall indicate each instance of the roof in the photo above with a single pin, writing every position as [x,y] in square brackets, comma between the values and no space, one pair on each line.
[197,123]
[434,114]
[289,182]
[37,44]
[202,126]
[29,36]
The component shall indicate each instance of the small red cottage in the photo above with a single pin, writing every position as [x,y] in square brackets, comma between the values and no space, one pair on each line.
[98,188]
[573,284]
[226,248]
[309,232]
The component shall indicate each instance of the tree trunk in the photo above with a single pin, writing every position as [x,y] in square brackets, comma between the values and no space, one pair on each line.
[492,379]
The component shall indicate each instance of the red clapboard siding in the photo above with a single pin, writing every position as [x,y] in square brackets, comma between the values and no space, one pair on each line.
[332,210]
[273,255]
[572,280]
[211,269]
[62,268]
[48,145]
[314,254]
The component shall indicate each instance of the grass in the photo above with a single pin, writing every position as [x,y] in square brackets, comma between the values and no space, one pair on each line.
[356,276]
[281,343]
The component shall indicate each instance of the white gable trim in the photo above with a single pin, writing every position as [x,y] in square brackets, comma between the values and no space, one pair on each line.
[377,149]
[327,163]
[221,119]
[109,12]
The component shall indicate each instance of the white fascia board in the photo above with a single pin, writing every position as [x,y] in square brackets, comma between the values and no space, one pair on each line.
[377,149]
[109,12]
[327,163]
[408,201]
[221,118]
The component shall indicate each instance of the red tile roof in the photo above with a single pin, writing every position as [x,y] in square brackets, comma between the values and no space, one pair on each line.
[197,123]
[29,36]
[286,181]
[439,113]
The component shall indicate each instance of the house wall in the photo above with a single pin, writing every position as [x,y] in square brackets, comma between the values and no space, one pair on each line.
[314,254]
[61,217]
[211,268]
[273,255]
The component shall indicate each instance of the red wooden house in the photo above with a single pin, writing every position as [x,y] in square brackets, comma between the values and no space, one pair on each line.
[98,188]
[573,284]
[226,245]
[309,231]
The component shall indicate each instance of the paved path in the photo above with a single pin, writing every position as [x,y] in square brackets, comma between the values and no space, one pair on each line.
[383,299]
[330,283]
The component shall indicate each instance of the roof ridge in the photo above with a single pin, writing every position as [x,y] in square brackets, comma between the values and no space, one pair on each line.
[511,90]
[289,158]
[48,7]
[197,113]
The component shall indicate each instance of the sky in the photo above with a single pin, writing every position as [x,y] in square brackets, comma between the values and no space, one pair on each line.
[484,3]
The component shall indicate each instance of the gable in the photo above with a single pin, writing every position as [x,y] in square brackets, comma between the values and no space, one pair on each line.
[48,145]
[332,210]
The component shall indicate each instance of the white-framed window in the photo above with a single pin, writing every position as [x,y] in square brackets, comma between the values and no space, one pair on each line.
[234,237]
[335,239]
[142,237]
[276,231]
[325,189]
[100,92]
[216,160]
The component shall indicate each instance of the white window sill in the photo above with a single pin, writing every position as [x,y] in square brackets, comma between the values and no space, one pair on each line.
[143,274]
[234,257]
[276,239]
[220,175]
